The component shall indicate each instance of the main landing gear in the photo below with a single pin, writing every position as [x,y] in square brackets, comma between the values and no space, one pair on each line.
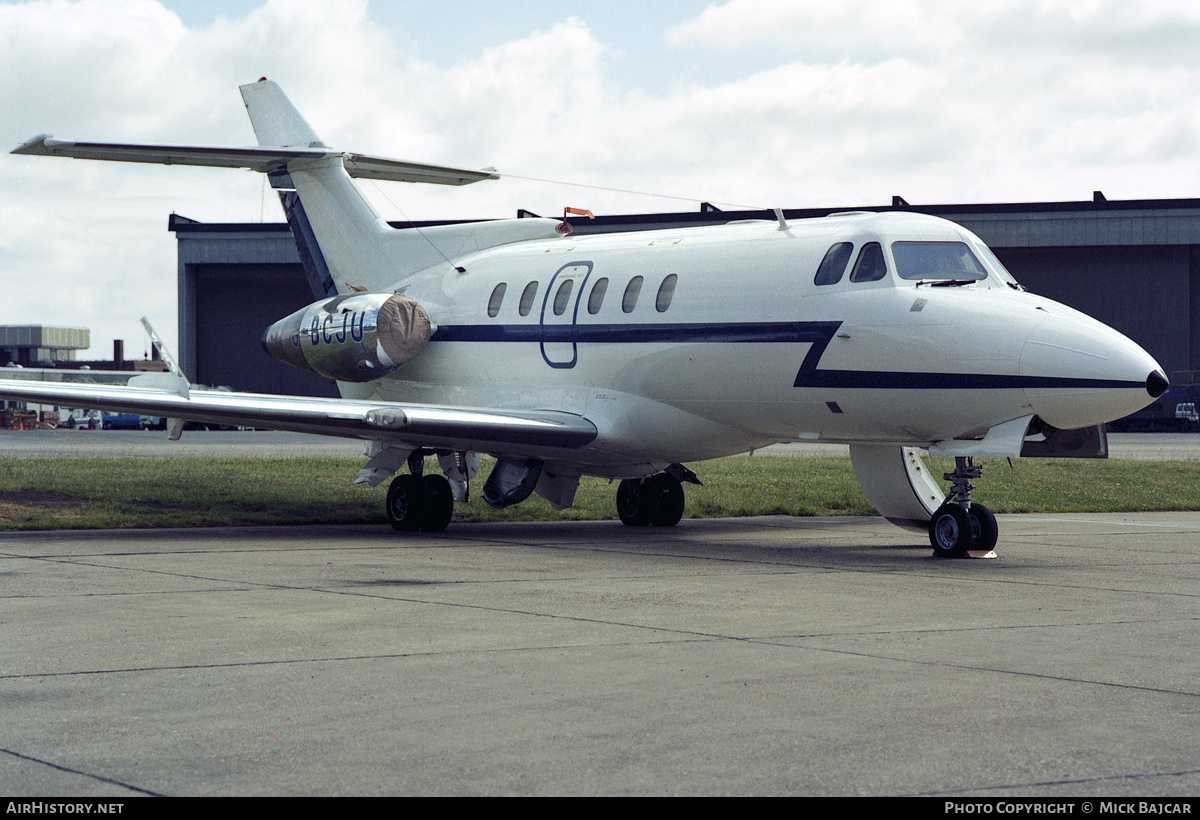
[960,527]
[656,501]
[420,503]
[425,503]
[417,502]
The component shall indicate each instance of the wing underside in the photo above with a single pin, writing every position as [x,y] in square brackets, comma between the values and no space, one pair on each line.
[487,430]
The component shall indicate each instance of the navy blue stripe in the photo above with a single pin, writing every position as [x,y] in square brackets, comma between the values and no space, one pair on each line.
[891,380]
[692,332]
[816,334]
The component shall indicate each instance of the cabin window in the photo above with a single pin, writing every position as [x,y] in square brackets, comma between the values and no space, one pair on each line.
[665,291]
[870,266]
[596,298]
[562,297]
[834,264]
[629,300]
[496,299]
[527,295]
[937,260]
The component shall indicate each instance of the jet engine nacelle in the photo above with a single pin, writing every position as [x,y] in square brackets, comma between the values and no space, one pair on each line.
[354,338]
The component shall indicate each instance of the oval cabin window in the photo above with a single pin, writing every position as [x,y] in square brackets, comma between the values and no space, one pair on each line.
[596,298]
[562,297]
[665,293]
[629,300]
[496,299]
[527,295]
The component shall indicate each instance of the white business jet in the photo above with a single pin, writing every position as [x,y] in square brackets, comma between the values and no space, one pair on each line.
[627,355]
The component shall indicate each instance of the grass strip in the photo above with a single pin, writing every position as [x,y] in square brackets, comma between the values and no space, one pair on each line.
[113,493]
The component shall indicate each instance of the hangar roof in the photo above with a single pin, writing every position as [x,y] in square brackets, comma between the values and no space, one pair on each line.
[1094,222]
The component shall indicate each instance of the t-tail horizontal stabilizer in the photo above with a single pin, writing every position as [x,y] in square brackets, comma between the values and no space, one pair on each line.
[264,160]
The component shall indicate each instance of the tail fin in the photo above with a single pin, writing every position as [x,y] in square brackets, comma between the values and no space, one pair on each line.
[342,240]
[276,122]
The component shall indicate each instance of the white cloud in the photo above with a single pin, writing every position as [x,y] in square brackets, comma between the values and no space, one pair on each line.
[98,253]
[803,103]
[1024,97]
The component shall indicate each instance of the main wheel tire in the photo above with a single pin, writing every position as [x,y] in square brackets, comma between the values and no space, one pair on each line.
[635,503]
[405,503]
[438,503]
[984,528]
[950,531]
[668,499]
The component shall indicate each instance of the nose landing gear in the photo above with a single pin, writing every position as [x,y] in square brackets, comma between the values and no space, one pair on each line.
[960,527]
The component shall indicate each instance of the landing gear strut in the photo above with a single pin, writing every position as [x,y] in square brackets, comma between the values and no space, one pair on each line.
[960,526]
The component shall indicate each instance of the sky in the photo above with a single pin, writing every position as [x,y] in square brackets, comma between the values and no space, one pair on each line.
[614,106]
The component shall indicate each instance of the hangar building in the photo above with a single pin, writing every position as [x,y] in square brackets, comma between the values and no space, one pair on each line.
[1132,264]
[29,345]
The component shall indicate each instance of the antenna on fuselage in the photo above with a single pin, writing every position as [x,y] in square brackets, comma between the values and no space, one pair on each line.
[783,226]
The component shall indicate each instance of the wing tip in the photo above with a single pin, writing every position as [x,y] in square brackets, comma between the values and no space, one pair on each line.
[36,145]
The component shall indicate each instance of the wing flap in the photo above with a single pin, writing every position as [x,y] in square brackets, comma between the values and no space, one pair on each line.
[262,160]
[424,425]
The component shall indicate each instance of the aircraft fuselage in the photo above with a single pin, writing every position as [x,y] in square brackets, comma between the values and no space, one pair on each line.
[695,343]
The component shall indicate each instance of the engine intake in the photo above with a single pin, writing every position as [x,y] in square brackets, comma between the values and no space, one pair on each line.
[356,338]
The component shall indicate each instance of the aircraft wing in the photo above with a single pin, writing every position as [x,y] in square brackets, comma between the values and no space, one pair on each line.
[487,430]
[255,159]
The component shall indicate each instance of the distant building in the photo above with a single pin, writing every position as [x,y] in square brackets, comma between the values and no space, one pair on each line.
[38,346]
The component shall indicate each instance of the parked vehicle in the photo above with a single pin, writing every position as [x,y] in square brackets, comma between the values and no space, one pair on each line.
[122,421]
[82,419]
[1174,410]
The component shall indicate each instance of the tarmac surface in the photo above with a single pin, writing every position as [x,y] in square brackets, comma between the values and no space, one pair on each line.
[756,656]
[275,444]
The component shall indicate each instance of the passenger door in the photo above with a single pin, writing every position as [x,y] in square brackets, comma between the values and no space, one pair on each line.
[560,309]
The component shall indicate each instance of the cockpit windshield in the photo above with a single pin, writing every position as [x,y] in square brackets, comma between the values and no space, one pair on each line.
[937,261]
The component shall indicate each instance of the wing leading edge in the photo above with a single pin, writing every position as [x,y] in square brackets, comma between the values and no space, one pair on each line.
[486,430]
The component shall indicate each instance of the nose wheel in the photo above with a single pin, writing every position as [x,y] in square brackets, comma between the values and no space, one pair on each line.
[960,527]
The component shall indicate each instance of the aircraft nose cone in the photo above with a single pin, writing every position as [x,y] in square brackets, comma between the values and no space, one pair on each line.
[1086,373]
[1157,384]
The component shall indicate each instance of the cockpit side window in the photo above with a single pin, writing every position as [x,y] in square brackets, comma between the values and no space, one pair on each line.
[870,266]
[937,261]
[989,255]
[834,264]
